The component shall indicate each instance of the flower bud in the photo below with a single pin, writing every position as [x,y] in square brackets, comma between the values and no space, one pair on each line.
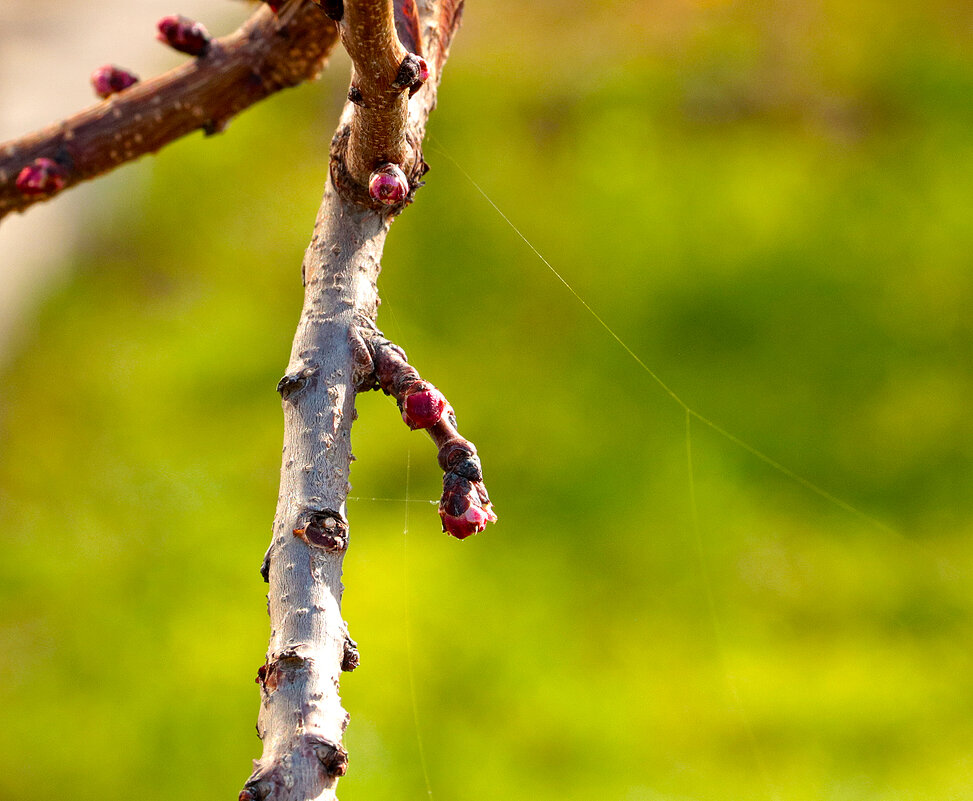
[43,176]
[388,185]
[424,408]
[184,35]
[472,521]
[463,509]
[110,79]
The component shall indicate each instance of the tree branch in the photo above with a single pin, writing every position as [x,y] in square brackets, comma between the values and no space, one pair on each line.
[262,57]
[337,352]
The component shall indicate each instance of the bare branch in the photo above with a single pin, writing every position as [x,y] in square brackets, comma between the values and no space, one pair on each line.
[262,57]
[378,124]
[301,719]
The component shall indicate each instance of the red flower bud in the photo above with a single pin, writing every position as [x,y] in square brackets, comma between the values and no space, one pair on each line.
[423,409]
[274,4]
[184,35]
[472,521]
[423,71]
[388,185]
[42,177]
[110,79]
[465,507]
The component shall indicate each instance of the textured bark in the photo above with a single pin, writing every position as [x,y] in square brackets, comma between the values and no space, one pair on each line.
[264,56]
[301,720]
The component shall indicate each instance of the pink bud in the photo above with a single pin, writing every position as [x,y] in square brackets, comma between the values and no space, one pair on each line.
[42,177]
[423,409]
[472,521]
[184,35]
[423,71]
[388,185]
[110,79]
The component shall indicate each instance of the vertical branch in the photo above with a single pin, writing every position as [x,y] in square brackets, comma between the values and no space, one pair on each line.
[301,719]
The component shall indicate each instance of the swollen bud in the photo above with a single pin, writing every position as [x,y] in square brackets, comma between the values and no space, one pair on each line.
[423,408]
[110,79]
[465,507]
[388,185]
[184,35]
[43,176]
[472,521]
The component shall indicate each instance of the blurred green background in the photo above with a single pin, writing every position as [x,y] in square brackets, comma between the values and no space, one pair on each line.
[770,202]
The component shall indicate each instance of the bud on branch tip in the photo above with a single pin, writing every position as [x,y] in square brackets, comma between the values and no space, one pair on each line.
[110,79]
[388,185]
[465,508]
[42,177]
[184,35]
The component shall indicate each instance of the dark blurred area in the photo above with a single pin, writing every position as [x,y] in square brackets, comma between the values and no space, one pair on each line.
[768,202]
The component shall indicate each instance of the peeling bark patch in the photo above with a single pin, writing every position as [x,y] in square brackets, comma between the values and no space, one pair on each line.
[272,674]
[407,25]
[333,758]
[324,529]
[292,383]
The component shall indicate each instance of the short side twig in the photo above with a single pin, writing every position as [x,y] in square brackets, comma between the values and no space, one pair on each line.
[230,74]
[465,506]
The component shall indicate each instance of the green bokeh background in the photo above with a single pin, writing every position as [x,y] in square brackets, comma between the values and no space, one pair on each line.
[769,202]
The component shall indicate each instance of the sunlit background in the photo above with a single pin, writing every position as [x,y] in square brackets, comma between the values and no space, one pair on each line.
[770,203]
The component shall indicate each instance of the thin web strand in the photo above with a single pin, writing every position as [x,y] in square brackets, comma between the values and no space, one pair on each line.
[389,500]
[773,463]
[408,628]
[735,701]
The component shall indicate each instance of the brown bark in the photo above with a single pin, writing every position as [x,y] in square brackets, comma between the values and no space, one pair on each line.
[262,57]
[301,720]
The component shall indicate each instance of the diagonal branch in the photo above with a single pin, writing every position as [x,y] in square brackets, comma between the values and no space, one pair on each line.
[263,56]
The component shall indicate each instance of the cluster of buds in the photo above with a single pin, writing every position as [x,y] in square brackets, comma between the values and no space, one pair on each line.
[184,35]
[42,176]
[465,506]
[109,80]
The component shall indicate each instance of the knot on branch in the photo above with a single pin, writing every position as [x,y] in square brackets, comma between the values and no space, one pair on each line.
[278,669]
[350,658]
[332,756]
[465,506]
[292,383]
[325,529]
